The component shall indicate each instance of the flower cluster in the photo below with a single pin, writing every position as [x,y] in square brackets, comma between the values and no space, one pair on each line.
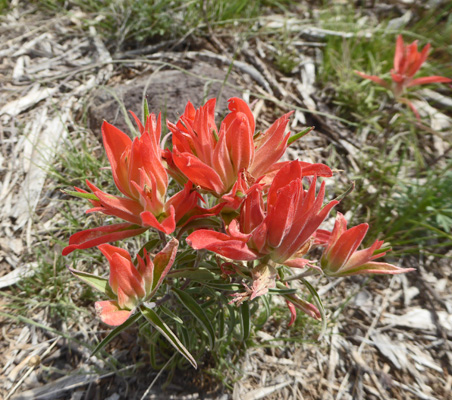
[263,216]
[407,62]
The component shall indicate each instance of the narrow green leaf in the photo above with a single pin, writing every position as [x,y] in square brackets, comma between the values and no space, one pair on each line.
[191,305]
[232,319]
[88,196]
[158,324]
[385,248]
[221,322]
[281,291]
[145,109]
[245,320]
[227,287]
[209,303]
[346,193]
[185,257]
[96,282]
[319,304]
[198,224]
[170,314]
[115,332]
[149,246]
[196,274]
[299,135]
[263,318]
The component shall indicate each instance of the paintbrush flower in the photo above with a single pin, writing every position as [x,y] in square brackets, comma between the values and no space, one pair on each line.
[140,175]
[341,257]
[128,285]
[280,228]
[213,159]
[407,62]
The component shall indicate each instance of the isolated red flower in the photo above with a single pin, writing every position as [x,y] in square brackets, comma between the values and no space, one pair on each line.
[133,285]
[407,62]
[341,257]
[281,228]
[213,159]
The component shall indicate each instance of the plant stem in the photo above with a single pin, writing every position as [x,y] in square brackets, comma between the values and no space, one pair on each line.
[163,238]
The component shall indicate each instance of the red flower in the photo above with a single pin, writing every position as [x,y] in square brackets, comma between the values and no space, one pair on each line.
[140,175]
[407,62]
[282,229]
[341,258]
[213,159]
[133,285]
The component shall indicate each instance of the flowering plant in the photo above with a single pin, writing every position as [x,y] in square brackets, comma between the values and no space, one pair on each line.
[407,62]
[239,221]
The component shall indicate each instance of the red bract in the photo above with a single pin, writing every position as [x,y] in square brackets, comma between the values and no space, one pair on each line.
[132,285]
[281,229]
[213,159]
[407,62]
[341,258]
[140,175]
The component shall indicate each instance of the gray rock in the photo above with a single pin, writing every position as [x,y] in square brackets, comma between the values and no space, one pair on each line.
[167,92]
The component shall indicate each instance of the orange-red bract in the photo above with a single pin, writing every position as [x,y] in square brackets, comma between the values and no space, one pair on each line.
[281,229]
[140,175]
[132,285]
[407,62]
[212,159]
[341,257]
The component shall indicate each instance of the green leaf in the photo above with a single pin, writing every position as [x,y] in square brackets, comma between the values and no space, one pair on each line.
[231,320]
[191,305]
[196,274]
[185,257]
[115,332]
[145,109]
[149,246]
[245,320]
[319,304]
[263,318]
[158,324]
[385,248]
[170,314]
[198,224]
[282,291]
[346,193]
[96,282]
[88,196]
[299,135]
[227,287]
[221,323]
